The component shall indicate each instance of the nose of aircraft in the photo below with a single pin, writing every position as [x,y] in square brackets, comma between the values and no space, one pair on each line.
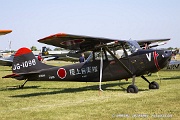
[166,58]
[167,54]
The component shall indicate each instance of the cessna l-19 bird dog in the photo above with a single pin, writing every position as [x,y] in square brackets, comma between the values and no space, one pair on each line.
[104,63]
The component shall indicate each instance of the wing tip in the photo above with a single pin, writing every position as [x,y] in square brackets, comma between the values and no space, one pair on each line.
[53,36]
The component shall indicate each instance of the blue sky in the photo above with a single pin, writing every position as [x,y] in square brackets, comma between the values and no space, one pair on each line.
[31,20]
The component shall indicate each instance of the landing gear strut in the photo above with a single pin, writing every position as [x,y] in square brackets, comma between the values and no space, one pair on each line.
[132,88]
[21,86]
[152,85]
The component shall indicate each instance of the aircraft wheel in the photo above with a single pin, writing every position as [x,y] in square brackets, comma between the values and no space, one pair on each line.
[153,85]
[132,89]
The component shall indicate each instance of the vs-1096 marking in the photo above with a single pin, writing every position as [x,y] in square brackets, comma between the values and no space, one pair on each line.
[24,64]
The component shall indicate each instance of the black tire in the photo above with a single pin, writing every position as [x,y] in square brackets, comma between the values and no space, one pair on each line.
[132,89]
[153,85]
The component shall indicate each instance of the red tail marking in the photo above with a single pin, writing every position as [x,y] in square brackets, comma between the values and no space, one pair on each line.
[22,51]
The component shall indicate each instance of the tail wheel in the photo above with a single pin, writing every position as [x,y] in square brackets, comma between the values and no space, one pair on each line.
[153,85]
[132,89]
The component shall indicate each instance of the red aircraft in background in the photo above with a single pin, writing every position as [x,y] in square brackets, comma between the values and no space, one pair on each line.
[4,32]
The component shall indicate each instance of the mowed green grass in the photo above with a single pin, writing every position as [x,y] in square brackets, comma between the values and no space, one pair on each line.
[81,101]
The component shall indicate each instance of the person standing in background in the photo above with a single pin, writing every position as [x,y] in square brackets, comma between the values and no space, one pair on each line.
[40,57]
[82,59]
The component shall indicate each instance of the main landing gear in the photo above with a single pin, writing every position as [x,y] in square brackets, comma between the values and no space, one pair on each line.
[152,85]
[133,88]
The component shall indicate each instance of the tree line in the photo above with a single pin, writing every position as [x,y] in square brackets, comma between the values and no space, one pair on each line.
[34,48]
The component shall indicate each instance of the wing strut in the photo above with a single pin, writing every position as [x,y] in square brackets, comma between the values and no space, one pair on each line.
[101,68]
[119,61]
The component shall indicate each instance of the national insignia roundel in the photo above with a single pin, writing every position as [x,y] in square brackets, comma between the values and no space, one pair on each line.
[61,73]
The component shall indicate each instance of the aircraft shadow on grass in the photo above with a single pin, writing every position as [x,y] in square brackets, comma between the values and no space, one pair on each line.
[105,87]
[12,88]
[6,70]
[171,78]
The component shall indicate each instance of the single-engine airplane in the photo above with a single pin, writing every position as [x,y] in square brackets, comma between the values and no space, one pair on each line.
[103,64]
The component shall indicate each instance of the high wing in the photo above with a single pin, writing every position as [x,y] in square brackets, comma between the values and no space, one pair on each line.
[75,42]
[3,32]
[152,42]
[84,43]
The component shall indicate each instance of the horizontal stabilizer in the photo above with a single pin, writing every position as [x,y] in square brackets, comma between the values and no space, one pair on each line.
[11,75]
[20,76]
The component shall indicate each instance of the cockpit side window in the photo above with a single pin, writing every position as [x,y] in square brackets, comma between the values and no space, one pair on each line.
[121,50]
[97,55]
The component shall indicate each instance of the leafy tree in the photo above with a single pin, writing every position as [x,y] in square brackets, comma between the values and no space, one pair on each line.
[177,50]
[48,49]
[170,48]
[33,48]
[57,49]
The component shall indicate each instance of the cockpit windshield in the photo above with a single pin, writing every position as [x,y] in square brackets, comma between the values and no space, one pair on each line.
[128,48]
[133,46]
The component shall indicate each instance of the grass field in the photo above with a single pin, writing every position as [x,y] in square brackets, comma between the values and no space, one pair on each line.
[81,101]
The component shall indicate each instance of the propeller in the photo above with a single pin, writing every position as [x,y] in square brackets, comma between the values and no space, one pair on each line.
[101,68]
